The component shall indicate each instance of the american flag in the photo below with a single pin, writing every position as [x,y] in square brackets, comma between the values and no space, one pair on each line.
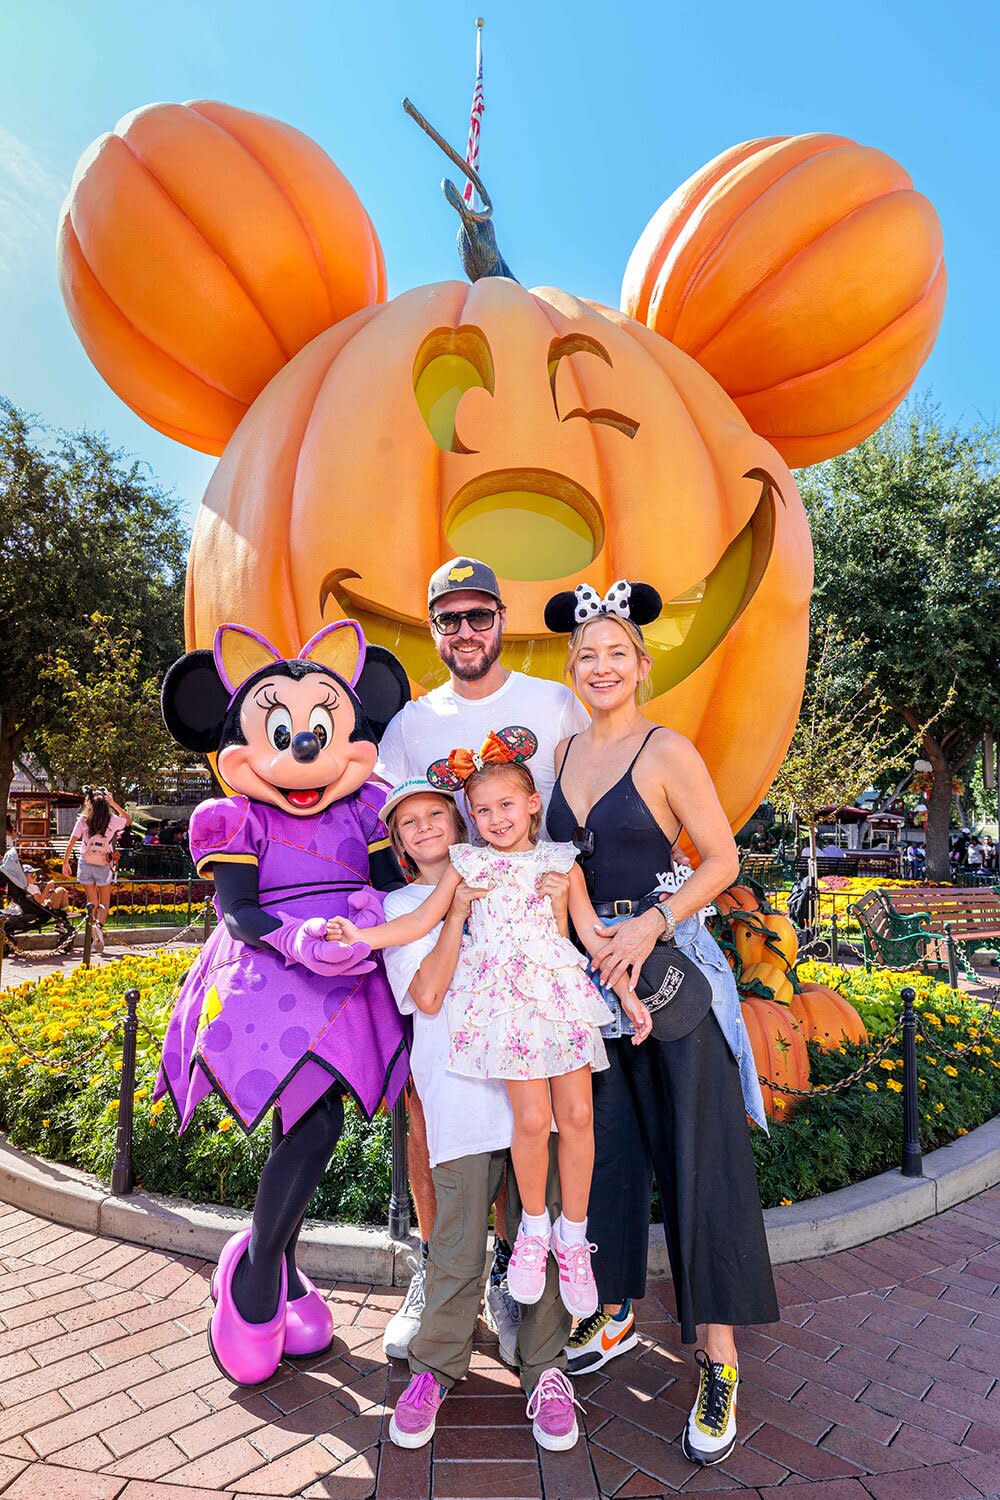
[476,115]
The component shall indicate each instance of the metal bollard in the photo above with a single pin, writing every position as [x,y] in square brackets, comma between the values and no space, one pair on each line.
[207,923]
[88,935]
[834,938]
[122,1176]
[3,939]
[949,948]
[912,1160]
[399,1197]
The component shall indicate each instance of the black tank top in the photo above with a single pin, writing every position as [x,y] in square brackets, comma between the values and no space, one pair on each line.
[630,848]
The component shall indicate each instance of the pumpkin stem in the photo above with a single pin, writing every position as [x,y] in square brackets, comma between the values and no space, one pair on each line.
[477,240]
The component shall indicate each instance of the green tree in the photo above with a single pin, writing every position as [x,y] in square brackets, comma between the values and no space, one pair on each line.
[109,730]
[906,529]
[845,739]
[83,529]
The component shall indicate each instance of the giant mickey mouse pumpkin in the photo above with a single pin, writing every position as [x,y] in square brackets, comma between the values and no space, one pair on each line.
[556,439]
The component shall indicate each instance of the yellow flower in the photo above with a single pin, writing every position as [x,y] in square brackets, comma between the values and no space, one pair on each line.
[785,1203]
[141,1094]
[891,1083]
[953,1020]
[938,1107]
[932,1061]
[226,1123]
[45,1124]
[951,1072]
[934,1019]
[157,1108]
[887,1063]
[872,1086]
[961,1130]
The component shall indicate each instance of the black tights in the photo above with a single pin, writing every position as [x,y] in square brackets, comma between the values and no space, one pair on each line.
[291,1175]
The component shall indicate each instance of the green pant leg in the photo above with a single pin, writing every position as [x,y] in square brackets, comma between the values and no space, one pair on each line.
[465,1190]
[545,1326]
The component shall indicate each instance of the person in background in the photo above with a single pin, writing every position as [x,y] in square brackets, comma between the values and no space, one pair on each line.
[100,820]
[9,837]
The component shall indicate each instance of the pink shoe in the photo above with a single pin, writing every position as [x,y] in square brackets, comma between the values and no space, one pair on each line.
[526,1269]
[246,1353]
[550,1406]
[412,1423]
[577,1286]
[308,1322]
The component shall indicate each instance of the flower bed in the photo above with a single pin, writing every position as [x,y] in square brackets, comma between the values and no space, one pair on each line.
[70,1115]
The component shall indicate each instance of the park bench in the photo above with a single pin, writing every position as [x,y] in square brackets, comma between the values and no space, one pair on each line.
[911,926]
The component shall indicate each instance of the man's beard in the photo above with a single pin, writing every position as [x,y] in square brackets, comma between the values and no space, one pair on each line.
[471,668]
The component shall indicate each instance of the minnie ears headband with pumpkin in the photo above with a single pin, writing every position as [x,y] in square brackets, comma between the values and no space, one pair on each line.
[201,688]
[512,746]
[638,602]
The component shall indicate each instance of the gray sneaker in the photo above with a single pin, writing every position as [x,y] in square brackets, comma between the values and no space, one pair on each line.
[503,1315]
[97,938]
[402,1327]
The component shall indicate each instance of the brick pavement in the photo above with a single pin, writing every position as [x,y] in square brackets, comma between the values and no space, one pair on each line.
[879,1383]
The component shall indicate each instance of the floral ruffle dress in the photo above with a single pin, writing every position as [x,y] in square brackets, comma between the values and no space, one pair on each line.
[520,1004]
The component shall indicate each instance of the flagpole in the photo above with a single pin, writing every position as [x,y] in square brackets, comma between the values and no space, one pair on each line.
[472,148]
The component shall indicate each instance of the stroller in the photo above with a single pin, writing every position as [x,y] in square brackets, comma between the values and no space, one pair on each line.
[803,913]
[22,913]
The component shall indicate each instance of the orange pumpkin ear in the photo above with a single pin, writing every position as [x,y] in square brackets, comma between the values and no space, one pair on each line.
[340,647]
[239,652]
[807,276]
[200,248]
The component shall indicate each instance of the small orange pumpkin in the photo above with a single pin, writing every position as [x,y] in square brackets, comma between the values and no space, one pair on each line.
[807,275]
[200,247]
[826,1017]
[781,943]
[779,1051]
[736,898]
[773,977]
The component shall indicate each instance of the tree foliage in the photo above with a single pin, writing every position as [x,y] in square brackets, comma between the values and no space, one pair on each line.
[906,529]
[109,730]
[83,529]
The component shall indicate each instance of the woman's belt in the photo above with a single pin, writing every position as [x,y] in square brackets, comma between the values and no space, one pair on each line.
[627,906]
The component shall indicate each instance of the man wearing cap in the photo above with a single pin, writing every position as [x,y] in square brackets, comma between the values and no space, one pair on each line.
[466,618]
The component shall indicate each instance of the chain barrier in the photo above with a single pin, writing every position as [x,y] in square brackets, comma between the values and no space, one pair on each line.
[872,1061]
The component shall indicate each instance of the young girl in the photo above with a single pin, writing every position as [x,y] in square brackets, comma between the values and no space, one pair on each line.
[100,820]
[520,1007]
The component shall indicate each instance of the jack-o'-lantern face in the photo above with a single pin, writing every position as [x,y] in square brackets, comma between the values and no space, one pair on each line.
[558,442]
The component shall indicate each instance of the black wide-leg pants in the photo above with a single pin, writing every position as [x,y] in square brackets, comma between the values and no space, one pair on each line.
[676,1109]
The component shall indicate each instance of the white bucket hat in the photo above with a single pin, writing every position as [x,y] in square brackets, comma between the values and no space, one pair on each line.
[410,788]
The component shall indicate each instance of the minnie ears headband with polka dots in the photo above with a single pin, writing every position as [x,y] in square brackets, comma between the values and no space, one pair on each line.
[638,602]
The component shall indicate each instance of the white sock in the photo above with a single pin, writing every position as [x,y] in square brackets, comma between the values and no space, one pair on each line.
[536,1225]
[570,1232]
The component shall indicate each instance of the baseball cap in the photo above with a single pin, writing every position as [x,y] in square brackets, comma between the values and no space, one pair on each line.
[459,574]
[409,788]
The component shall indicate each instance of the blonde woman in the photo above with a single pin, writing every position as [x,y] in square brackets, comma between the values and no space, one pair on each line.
[675,1107]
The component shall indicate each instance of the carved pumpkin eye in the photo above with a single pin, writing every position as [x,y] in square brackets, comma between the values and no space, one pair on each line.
[449,362]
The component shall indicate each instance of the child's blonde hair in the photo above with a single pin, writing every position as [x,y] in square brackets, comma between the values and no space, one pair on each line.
[644,691]
[520,773]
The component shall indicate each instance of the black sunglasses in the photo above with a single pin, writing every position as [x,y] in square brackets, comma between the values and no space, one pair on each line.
[450,622]
[583,842]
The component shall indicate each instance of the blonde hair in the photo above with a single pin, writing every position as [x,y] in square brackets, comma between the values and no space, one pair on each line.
[644,689]
[522,774]
[408,865]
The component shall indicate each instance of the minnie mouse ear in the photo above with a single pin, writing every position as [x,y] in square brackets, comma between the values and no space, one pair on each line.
[194,702]
[644,604]
[560,613]
[521,741]
[383,688]
[441,775]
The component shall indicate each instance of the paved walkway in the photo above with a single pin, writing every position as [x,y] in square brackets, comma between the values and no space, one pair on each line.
[879,1383]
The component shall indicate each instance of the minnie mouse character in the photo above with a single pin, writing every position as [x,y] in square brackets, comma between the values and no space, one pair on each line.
[272,1014]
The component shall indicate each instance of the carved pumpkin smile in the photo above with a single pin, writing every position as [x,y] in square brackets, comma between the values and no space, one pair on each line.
[690,627]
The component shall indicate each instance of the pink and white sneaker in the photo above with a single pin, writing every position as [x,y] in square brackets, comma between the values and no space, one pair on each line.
[550,1406]
[577,1286]
[526,1269]
[412,1423]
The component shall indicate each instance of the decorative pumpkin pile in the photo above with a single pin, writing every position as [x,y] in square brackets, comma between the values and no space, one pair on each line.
[781,1013]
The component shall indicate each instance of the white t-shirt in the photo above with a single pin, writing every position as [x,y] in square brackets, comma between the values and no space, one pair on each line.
[429,728]
[464,1115]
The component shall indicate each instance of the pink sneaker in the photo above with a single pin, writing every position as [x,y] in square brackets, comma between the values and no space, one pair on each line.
[412,1423]
[577,1286]
[550,1406]
[526,1269]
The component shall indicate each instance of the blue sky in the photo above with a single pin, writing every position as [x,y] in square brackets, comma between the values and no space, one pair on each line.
[594,114]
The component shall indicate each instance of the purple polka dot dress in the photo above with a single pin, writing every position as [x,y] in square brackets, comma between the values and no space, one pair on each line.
[260,1031]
